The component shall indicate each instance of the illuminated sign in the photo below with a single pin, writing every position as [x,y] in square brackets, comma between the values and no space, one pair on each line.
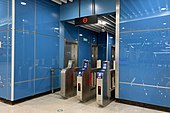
[86,20]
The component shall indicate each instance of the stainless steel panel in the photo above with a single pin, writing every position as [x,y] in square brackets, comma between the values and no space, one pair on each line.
[94,56]
[117,48]
[70,52]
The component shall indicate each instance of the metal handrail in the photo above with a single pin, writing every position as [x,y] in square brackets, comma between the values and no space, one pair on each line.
[52,77]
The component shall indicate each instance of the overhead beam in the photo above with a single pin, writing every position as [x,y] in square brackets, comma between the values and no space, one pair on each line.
[64,1]
[108,19]
[90,28]
[112,17]
[57,1]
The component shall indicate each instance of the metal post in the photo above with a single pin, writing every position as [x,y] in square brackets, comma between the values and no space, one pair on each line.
[107,47]
[117,49]
[13,50]
[52,79]
[93,7]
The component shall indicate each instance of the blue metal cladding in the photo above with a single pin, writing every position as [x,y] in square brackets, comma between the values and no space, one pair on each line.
[4,14]
[47,18]
[47,44]
[24,20]
[144,51]
[5,49]
[36,46]
[85,46]
[24,56]
[70,31]
[85,8]
[46,57]
[69,11]
[24,49]
[102,44]
[105,6]
[101,7]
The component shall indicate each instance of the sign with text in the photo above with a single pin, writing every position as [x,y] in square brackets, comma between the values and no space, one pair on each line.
[86,20]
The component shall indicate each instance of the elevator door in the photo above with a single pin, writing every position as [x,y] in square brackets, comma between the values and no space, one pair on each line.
[94,55]
[70,52]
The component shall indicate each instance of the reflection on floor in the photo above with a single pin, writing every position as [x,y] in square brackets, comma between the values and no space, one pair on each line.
[53,103]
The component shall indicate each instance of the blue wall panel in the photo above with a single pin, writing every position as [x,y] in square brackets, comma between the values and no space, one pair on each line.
[69,11]
[42,85]
[4,14]
[47,45]
[46,55]
[86,45]
[5,49]
[24,49]
[36,46]
[158,96]
[70,31]
[25,20]
[105,6]
[102,44]
[47,18]
[24,56]
[144,51]
[146,60]
[23,89]
[85,8]
[3,64]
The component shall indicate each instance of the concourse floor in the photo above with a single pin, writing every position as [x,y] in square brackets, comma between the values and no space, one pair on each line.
[53,103]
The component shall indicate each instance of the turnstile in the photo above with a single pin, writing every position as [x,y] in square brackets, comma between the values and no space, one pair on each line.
[86,82]
[68,86]
[105,84]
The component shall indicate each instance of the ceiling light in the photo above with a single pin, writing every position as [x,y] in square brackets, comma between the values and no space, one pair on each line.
[23,3]
[164,23]
[80,34]
[99,21]
[111,37]
[102,22]
[56,28]
[163,9]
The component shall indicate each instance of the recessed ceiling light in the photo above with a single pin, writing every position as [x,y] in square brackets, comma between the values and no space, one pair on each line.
[102,22]
[56,28]
[80,34]
[164,23]
[163,9]
[23,3]
[111,37]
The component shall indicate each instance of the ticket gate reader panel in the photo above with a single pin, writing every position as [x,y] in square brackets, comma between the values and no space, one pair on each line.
[85,85]
[68,88]
[104,85]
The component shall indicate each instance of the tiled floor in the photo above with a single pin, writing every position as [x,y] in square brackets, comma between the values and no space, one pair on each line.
[53,103]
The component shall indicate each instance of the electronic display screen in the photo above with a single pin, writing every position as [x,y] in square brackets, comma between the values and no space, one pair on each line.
[99,75]
[104,66]
[79,73]
[86,20]
[85,65]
